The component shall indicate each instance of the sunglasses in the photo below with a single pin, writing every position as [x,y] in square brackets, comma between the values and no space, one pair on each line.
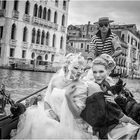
[103,24]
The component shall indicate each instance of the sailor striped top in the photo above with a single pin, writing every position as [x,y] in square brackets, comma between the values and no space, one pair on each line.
[108,46]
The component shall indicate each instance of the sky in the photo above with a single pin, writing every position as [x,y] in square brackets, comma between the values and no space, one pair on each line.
[122,12]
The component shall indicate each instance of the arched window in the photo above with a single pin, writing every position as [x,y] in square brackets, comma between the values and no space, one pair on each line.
[128,38]
[35,10]
[44,13]
[55,17]
[40,12]
[33,35]
[64,3]
[4,4]
[33,55]
[49,15]
[42,37]
[47,38]
[15,5]
[54,40]
[56,2]
[13,31]
[63,20]
[61,43]
[25,34]
[27,7]
[46,56]
[132,41]
[38,37]
[52,58]
[123,37]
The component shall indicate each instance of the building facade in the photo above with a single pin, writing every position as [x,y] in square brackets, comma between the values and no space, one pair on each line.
[128,63]
[32,32]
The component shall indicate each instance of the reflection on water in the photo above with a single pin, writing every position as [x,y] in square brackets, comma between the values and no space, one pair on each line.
[22,83]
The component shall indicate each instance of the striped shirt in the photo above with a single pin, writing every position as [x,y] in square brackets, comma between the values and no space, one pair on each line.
[108,46]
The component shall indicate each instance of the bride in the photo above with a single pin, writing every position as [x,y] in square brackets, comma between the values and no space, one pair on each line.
[58,115]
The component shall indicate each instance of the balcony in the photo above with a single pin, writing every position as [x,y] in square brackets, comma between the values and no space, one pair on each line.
[63,29]
[26,17]
[54,26]
[36,20]
[13,42]
[64,7]
[37,47]
[25,45]
[15,14]
[2,12]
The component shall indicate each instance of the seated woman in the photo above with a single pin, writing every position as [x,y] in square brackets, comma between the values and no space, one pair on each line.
[101,112]
[58,115]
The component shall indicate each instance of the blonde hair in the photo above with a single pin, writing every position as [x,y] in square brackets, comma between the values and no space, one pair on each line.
[105,60]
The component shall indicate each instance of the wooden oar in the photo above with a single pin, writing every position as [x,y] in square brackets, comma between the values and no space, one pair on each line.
[31,95]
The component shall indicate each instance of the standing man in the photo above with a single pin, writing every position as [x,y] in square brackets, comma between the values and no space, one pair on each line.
[104,41]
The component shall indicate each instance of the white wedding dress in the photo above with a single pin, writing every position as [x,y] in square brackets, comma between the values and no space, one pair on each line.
[36,123]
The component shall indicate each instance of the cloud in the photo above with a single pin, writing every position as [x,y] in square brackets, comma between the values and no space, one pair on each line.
[125,12]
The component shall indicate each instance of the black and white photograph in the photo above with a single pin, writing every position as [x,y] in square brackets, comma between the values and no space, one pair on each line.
[70,69]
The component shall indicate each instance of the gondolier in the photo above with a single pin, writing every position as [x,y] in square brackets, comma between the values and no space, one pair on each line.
[104,41]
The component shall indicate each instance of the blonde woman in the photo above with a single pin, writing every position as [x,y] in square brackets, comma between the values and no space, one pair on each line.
[58,115]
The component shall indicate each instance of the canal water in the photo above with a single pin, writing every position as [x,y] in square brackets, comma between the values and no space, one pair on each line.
[22,83]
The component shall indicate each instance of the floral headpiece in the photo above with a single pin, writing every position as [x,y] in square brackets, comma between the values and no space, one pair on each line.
[72,59]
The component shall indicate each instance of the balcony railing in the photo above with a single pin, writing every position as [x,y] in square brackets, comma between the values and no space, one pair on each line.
[15,14]
[25,45]
[26,17]
[13,42]
[2,12]
[36,20]
[63,29]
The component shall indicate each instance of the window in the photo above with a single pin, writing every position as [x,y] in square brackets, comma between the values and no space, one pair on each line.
[35,10]
[38,37]
[64,5]
[71,43]
[61,43]
[23,53]
[12,51]
[33,35]
[49,15]
[42,37]
[54,39]
[33,55]
[16,5]
[123,37]
[131,41]
[40,12]
[4,4]
[52,58]
[81,45]
[128,38]
[55,17]
[47,38]
[0,51]
[13,31]
[44,13]
[56,2]
[25,34]
[1,32]
[27,7]
[46,56]
[63,20]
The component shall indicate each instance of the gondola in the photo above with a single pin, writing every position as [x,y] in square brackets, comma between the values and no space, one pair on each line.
[8,123]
